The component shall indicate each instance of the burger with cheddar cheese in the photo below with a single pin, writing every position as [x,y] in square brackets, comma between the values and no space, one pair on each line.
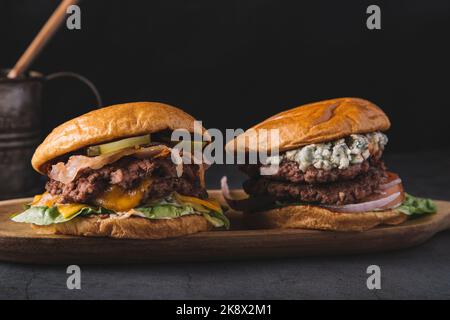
[111,174]
[329,174]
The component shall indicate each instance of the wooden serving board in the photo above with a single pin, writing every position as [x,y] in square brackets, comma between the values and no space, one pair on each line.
[20,243]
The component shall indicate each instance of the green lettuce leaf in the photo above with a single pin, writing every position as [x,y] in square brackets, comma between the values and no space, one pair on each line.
[168,210]
[89,211]
[165,211]
[44,216]
[417,206]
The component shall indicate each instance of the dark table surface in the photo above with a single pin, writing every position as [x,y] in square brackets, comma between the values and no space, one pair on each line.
[415,273]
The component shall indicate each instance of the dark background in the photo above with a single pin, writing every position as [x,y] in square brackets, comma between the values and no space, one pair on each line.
[233,63]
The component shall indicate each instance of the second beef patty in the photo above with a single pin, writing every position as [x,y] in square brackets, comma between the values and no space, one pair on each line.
[336,193]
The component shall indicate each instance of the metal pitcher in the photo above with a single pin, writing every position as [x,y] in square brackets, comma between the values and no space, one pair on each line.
[20,129]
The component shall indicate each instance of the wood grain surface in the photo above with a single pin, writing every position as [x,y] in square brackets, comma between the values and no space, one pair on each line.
[20,243]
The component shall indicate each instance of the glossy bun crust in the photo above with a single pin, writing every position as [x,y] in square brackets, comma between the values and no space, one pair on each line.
[317,218]
[315,123]
[129,228]
[109,124]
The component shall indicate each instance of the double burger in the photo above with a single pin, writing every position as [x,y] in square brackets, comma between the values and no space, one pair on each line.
[329,175]
[111,173]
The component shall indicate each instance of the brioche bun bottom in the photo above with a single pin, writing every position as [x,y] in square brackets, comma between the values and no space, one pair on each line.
[128,228]
[313,217]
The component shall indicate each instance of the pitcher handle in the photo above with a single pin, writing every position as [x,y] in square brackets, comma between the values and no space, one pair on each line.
[86,81]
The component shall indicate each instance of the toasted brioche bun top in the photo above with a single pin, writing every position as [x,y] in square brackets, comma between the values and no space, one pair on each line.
[109,124]
[313,123]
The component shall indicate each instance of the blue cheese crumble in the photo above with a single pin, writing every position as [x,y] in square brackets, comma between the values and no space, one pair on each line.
[335,154]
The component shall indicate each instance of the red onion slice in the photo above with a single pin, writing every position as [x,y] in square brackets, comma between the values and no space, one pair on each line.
[392,180]
[390,184]
[225,188]
[243,204]
[366,206]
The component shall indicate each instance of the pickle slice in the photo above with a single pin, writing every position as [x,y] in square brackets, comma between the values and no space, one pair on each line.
[93,151]
[118,145]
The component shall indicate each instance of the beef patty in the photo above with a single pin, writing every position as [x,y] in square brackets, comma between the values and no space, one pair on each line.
[336,193]
[128,173]
[289,171]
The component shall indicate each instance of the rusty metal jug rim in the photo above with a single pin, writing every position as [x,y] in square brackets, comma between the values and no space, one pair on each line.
[28,76]
[40,77]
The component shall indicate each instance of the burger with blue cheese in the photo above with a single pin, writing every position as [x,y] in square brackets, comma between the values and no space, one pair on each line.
[111,174]
[330,173]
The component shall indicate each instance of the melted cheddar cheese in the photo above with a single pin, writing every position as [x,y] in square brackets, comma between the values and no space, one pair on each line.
[45,200]
[209,203]
[68,210]
[120,200]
